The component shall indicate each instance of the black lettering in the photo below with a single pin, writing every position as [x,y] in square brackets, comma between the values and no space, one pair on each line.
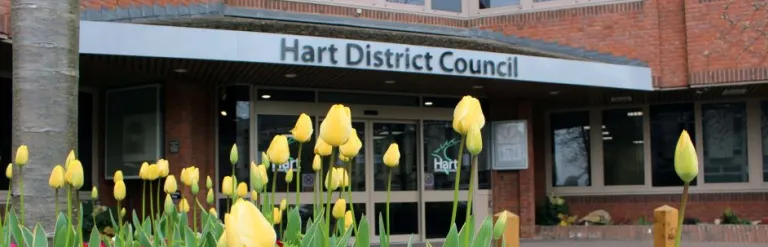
[486,65]
[460,65]
[515,71]
[428,61]
[368,55]
[500,67]
[475,67]
[442,61]
[285,49]
[350,47]
[332,49]
[320,51]
[398,57]
[415,62]
[308,55]
[407,58]
[388,54]
[378,61]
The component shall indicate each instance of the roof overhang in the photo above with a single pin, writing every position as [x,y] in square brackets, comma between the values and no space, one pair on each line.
[124,39]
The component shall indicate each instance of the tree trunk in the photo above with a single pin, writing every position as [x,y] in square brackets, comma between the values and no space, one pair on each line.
[45,35]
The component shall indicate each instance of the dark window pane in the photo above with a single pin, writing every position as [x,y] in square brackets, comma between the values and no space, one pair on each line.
[268,127]
[441,149]
[286,95]
[447,5]
[570,149]
[234,127]
[403,175]
[764,129]
[623,159]
[403,215]
[487,4]
[411,2]
[6,121]
[437,224]
[725,142]
[368,99]
[85,137]
[667,122]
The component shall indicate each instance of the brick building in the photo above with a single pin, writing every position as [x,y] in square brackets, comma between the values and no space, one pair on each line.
[211,73]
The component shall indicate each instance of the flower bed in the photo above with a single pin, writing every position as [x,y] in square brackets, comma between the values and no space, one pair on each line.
[696,233]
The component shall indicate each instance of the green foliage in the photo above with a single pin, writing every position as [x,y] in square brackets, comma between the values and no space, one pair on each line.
[549,210]
[729,217]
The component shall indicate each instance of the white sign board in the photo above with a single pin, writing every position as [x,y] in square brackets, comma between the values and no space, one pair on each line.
[510,145]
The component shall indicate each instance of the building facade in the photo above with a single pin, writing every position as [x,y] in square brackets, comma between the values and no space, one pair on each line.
[604,88]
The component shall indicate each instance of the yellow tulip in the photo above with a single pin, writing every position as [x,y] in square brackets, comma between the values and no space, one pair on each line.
[686,160]
[336,126]
[183,205]
[233,155]
[302,131]
[190,175]
[9,171]
[347,219]
[74,175]
[283,204]
[22,155]
[209,196]
[289,176]
[353,145]
[242,190]
[169,206]
[254,195]
[339,208]
[94,193]
[246,226]
[170,184]
[468,112]
[500,226]
[118,175]
[226,186]
[222,242]
[142,171]
[317,163]
[278,152]
[264,159]
[263,174]
[57,177]
[119,190]
[343,158]
[162,166]
[208,182]
[392,155]
[213,212]
[122,212]
[344,177]
[70,158]
[333,179]
[474,140]
[322,148]
[277,216]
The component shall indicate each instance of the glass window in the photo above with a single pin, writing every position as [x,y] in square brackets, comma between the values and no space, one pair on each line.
[437,224]
[234,127]
[623,161]
[487,4]
[447,5]
[286,95]
[368,99]
[6,121]
[411,2]
[133,131]
[764,129]
[667,122]
[570,149]
[268,127]
[441,150]
[85,137]
[404,175]
[406,214]
[724,126]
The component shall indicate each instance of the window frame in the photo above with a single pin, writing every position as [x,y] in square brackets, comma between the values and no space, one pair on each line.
[598,187]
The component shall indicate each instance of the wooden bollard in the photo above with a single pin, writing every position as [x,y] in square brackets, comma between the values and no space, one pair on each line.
[664,226]
[511,232]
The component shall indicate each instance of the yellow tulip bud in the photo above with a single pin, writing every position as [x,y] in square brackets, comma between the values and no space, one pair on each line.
[468,112]
[195,188]
[183,205]
[254,195]
[233,155]
[122,213]
[302,131]
[348,220]
[213,212]
[208,182]
[392,155]
[686,160]
[57,177]
[344,177]
[162,166]
[226,186]
[333,179]
[209,196]
[322,148]
[317,163]
[283,204]
[353,145]
[336,126]
[170,184]
[118,175]
[242,190]
[190,175]
[264,158]
[70,158]
[343,158]
[153,172]
[277,216]
[474,140]
[289,176]
[246,226]
[263,174]
[119,190]
[74,175]
[22,155]
[339,208]
[9,171]
[94,193]
[278,152]
[169,206]
[143,171]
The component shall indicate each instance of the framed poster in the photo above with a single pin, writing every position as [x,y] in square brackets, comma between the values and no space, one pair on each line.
[509,145]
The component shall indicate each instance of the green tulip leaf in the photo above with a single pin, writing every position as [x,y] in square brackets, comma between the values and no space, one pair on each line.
[29,237]
[13,224]
[119,242]
[344,240]
[209,240]
[40,239]
[452,240]
[363,238]
[467,232]
[383,237]
[61,232]
[189,237]
[293,229]
[129,238]
[95,238]
[136,221]
[483,238]
[112,220]
[310,234]
[410,241]
[143,239]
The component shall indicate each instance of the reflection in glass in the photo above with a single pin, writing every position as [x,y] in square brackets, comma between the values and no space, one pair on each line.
[85,136]
[404,175]
[441,149]
[571,149]
[403,215]
[234,127]
[764,130]
[487,4]
[411,2]
[437,224]
[667,122]
[6,121]
[724,126]
[623,159]
[268,127]
[447,5]
[133,131]
[358,167]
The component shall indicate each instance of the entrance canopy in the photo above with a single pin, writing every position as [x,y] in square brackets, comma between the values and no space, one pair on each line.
[122,39]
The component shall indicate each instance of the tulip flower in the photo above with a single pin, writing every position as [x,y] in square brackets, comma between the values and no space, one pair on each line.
[94,193]
[343,158]
[302,131]
[195,188]
[289,176]
[501,225]
[322,148]
[242,190]
[264,158]
[246,226]
[348,219]
[277,216]
[474,140]
[162,166]
[213,212]
[226,186]
[74,175]
[153,172]
[344,177]
[353,145]
[317,163]
[70,158]
[339,208]
[336,126]
[208,182]
[278,152]
[170,184]
[283,204]
[118,175]
[333,179]
[22,155]
[254,196]
[9,171]
[209,196]
[169,206]
[392,155]
[119,190]
[687,168]
[233,155]
[190,175]
[143,171]
[183,205]
[468,112]
[122,213]
[57,177]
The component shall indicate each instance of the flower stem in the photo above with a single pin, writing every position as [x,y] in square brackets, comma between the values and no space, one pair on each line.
[56,200]
[328,202]
[21,194]
[458,180]
[349,198]
[157,205]
[93,209]
[143,200]
[274,185]
[298,176]
[234,185]
[69,204]
[151,204]
[469,195]
[389,188]
[7,205]
[119,217]
[316,193]
[194,216]
[168,230]
[681,216]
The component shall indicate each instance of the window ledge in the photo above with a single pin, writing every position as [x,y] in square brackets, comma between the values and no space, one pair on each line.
[645,190]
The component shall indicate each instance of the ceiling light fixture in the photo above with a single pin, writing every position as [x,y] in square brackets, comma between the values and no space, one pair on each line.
[389,81]
[734,91]
[224,113]
[266,96]
[180,70]
[428,103]
[477,86]
[554,92]
[291,75]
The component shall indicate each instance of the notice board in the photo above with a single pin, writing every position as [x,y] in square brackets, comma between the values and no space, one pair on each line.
[510,145]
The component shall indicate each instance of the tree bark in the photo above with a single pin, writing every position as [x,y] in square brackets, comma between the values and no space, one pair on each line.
[45,35]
